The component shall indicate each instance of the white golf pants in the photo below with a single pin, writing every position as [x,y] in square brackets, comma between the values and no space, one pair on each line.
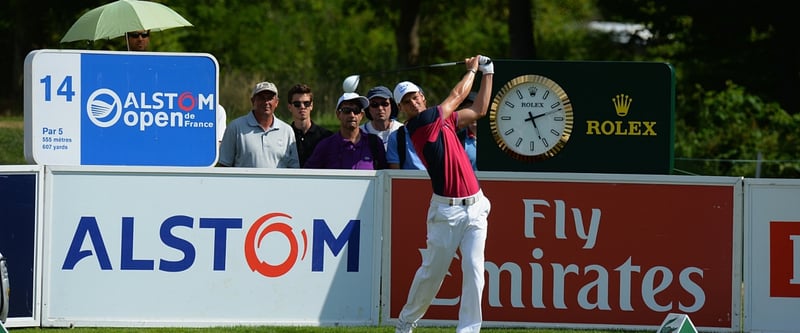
[452,226]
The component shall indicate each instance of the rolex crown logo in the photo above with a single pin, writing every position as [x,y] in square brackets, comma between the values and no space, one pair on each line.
[622,103]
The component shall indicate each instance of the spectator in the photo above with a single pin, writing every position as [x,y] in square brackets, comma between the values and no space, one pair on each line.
[382,114]
[138,40]
[259,139]
[400,153]
[469,134]
[306,132]
[222,123]
[349,148]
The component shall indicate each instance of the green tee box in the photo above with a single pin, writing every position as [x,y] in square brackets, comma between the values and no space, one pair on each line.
[623,118]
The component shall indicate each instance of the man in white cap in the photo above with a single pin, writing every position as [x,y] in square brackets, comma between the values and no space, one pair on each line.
[259,139]
[350,147]
[458,212]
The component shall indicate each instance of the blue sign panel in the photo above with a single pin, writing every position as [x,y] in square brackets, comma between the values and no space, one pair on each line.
[18,239]
[121,108]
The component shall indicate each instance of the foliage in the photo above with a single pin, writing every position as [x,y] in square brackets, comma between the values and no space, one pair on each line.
[736,66]
[11,145]
[753,130]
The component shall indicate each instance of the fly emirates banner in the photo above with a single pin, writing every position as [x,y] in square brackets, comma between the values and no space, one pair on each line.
[621,252]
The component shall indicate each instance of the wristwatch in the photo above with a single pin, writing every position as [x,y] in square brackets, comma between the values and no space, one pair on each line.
[531,118]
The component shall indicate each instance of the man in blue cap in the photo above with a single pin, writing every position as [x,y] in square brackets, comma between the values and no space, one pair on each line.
[382,114]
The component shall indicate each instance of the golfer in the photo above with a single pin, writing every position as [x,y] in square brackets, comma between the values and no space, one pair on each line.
[458,212]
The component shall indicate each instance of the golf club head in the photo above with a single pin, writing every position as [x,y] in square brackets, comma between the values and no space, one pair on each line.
[350,83]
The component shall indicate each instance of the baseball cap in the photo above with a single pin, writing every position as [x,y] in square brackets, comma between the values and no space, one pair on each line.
[349,96]
[404,88]
[470,99]
[264,86]
[382,92]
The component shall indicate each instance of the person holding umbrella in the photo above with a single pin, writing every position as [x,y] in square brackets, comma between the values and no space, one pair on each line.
[138,40]
[130,18]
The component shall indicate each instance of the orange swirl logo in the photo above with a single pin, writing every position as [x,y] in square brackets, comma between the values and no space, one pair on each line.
[254,238]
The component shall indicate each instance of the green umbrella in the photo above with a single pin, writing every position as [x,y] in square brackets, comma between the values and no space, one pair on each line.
[116,18]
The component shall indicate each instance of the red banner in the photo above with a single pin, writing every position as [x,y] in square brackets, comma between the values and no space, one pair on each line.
[584,252]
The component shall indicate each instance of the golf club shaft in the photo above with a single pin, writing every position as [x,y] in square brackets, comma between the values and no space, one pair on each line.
[444,64]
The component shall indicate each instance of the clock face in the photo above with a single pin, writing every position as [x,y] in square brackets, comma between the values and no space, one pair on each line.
[531,118]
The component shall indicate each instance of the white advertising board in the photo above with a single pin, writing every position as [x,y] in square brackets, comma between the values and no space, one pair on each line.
[210,247]
[87,107]
[772,255]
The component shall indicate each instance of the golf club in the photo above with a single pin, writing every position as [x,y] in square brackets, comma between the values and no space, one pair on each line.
[350,83]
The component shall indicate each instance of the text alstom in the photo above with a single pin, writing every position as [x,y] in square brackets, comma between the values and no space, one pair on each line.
[88,229]
[187,102]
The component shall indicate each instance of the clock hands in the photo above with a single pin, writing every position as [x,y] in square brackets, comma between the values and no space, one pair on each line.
[532,119]
[543,114]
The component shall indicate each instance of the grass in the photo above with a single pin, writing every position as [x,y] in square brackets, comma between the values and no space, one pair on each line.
[12,136]
[257,329]
[12,140]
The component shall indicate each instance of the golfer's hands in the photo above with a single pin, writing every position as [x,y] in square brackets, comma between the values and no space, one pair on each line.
[472,63]
[485,65]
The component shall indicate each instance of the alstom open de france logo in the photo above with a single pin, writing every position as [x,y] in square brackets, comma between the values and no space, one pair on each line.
[105,108]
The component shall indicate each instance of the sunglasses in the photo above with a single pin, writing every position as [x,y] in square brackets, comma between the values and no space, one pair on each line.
[376,104]
[350,110]
[298,103]
[137,34]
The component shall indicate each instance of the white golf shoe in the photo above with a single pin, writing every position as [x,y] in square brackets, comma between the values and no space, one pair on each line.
[404,327]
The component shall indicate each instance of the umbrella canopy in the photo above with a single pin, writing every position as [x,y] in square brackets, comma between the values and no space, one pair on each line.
[116,18]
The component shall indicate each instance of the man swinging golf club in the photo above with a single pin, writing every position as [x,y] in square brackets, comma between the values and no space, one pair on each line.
[458,211]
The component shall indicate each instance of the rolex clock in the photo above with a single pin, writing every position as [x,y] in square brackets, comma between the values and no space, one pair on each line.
[531,118]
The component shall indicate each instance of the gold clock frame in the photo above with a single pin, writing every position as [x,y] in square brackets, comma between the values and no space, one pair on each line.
[562,96]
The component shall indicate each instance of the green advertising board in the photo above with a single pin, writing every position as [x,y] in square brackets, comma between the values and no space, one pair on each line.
[579,116]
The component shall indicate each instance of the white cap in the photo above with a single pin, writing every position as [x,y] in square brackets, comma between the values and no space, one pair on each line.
[404,88]
[262,86]
[349,96]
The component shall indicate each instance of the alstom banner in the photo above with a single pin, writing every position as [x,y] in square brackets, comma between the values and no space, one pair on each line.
[210,247]
[120,108]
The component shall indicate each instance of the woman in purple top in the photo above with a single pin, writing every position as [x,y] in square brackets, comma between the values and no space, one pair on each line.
[349,148]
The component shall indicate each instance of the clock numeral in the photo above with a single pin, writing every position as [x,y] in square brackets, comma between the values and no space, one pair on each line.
[544,142]
[519,93]
[533,145]
[546,94]
[559,118]
[509,104]
[505,117]
[555,105]
[554,132]
[519,142]
[506,133]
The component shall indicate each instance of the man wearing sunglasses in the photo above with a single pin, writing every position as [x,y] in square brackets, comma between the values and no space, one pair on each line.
[306,132]
[381,112]
[458,211]
[350,147]
[138,40]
